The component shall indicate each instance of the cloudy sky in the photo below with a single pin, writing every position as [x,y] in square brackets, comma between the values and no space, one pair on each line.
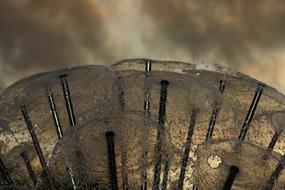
[43,35]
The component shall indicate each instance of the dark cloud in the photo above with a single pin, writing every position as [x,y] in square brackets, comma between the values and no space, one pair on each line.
[42,35]
[49,34]
[230,30]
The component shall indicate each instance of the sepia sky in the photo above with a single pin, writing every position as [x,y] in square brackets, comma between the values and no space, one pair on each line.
[43,35]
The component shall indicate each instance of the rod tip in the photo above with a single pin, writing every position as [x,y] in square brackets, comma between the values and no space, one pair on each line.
[234,169]
[62,76]
[261,85]
[110,134]
[164,82]
[23,107]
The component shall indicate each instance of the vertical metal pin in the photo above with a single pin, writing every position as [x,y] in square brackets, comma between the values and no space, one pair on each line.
[187,145]
[71,176]
[58,129]
[275,174]
[215,113]
[29,168]
[162,103]
[5,173]
[146,108]
[37,146]
[68,101]
[230,180]
[161,121]
[222,86]
[148,65]
[250,112]
[54,113]
[272,143]
[165,172]
[71,116]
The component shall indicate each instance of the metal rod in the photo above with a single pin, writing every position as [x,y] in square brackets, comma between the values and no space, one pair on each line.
[162,103]
[5,173]
[37,146]
[148,64]
[215,113]
[222,86]
[157,167]
[54,113]
[29,168]
[161,121]
[58,129]
[165,173]
[71,177]
[187,146]
[71,116]
[146,108]
[112,160]
[145,155]
[69,107]
[250,112]
[272,143]
[230,180]
[68,101]
[275,174]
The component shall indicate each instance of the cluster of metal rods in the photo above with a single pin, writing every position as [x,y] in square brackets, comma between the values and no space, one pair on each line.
[46,173]
[161,156]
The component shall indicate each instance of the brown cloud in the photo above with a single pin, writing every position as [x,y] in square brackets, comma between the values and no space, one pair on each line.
[48,34]
[231,30]
[41,35]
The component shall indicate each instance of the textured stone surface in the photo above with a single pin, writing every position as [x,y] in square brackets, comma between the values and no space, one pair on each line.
[112,99]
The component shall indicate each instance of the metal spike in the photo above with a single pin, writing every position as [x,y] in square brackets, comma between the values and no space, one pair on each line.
[187,145]
[67,97]
[272,143]
[215,113]
[29,168]
[145,155]
[54,113]
[275,174]
[161,121]
[5,173]
[165,172]
[250,112]
[230,180]
[37,146]
[58,129]
[148,64]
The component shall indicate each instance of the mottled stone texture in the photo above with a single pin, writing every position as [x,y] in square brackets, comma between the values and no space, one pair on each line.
[114,99]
